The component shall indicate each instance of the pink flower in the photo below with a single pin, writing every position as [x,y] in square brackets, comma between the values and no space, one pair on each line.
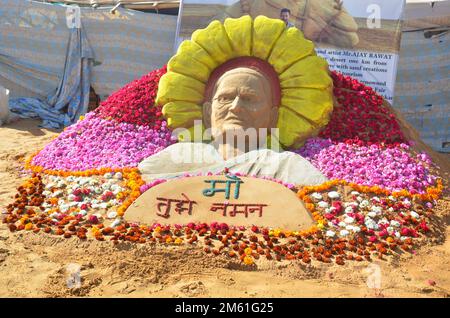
[93,219]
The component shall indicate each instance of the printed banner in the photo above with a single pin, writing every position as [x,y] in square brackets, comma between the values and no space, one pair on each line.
[360,38]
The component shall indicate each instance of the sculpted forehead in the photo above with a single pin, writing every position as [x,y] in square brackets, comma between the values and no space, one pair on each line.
[243,77]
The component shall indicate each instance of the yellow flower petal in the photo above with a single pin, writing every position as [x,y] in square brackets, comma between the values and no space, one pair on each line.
[214,40]
[310,72]
[179,87]
[290,47]
[313,104]
[181,114]
[198,53]
[239,32]
[265,33]
[294,129]
[186,65]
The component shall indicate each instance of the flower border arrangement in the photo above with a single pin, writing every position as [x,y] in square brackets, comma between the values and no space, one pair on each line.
[377,221]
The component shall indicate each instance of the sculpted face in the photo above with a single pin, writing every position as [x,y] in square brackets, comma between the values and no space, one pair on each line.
[242,99]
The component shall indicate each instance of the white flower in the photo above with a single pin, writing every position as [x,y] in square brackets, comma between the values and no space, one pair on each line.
[342,224]
[377,199]
[390,229]
[359,198]
[354,193]
[61,184]
[391,209]
[116,222]
[103,205]
[108,175]
[364,204]
[317,196]
[392,198]
[330,233]
[47,193]
[330,209]
[330,224]
[117,191]
[98,190]
[344,233]
[383,221]
[333,195]
[118,176]
[402,238]
[71,204]
[323,204]
[348,209]
[372,214]
[414,214]
[70,178]
[49,186]
[93,182]
[349,220]
[371,224]
[395,223]
[71,197]
[376,209]
[397,234]
[57,193]
[83,181]
[353,228]
[83,212]
[64,208]
[53,215]
[112,215]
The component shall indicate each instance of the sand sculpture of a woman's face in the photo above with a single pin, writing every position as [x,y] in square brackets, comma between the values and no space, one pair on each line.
[241,100]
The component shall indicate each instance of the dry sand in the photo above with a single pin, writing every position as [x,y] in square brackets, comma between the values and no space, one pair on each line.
[35,264]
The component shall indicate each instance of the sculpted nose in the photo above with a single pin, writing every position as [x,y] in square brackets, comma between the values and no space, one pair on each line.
[236,105]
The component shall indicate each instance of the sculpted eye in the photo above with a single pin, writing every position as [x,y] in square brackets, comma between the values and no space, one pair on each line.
[225,98]
[249,98]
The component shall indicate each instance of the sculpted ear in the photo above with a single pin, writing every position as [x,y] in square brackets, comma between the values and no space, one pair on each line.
[207,111]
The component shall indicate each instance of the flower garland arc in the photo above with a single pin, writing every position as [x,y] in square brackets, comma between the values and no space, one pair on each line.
[305,81]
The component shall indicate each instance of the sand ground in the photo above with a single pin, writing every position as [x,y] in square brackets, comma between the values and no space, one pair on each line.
[37,265]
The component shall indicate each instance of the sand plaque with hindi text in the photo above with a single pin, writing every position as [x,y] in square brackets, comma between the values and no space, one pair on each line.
[229,199]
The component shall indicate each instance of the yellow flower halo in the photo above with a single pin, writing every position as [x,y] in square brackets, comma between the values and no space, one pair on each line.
[306,85]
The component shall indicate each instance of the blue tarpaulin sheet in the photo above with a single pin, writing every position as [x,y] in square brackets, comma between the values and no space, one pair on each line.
[71,99]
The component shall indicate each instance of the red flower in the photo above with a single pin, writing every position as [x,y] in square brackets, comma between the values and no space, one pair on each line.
[135,102]
[360,115]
